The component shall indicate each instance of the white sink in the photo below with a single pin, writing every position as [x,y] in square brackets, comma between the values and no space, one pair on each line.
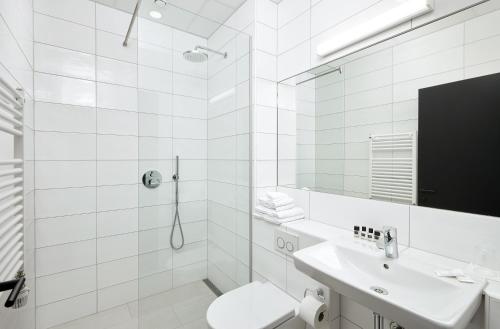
[405,290]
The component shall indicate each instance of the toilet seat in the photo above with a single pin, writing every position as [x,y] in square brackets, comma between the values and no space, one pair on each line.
[253,306]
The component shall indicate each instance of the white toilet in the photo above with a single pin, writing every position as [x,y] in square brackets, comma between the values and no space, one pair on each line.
[253,306]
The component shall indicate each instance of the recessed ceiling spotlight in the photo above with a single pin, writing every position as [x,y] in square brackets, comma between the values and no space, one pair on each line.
[155,14]
[160,3]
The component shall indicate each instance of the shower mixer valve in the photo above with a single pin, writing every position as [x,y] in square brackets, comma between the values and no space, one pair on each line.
[151,179]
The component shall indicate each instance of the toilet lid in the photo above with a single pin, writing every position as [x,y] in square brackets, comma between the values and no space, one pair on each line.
[254,306]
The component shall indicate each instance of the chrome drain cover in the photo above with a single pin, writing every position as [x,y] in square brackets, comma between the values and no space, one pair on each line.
[380,290]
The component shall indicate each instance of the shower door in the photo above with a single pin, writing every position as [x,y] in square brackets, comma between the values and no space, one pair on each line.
[194,171]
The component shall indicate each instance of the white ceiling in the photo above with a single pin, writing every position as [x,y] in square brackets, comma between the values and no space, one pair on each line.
[200,17]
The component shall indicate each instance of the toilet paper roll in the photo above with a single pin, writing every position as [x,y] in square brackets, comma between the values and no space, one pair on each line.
[314,312]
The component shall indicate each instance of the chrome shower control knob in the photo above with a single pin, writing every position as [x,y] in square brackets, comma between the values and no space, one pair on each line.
[151,179]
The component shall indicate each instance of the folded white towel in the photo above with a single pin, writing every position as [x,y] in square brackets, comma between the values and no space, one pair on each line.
[274,203]
[296,211]
[280,208]
[277,195]
[275,220]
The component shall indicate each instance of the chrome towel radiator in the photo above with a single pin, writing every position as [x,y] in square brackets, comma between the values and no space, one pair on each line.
[393,167]
[11,191]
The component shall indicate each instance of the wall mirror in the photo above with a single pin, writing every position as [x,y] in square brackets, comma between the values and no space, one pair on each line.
[413,119]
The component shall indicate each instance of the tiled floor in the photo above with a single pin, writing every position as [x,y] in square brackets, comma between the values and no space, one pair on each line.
[180,308]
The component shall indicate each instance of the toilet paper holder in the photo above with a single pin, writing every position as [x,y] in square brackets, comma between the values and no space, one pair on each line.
[316,293]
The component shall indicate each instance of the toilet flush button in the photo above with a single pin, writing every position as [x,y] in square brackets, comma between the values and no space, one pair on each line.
[285,242]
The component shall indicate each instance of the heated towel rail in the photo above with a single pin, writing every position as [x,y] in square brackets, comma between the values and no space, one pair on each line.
[11,181]
[393,167]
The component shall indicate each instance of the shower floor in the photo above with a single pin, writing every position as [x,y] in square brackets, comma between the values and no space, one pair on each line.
[183,307]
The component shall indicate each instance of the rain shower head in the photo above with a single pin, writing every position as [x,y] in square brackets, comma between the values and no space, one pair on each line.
[197,55]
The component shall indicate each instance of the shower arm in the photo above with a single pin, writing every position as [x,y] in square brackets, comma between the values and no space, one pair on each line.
[211,50]
[132,21]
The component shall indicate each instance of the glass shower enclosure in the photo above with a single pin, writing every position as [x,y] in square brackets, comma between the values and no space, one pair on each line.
[194,173]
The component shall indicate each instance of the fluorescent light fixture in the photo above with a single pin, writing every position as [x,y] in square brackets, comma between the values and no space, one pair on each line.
[223,95]
[393,17]
[155,14]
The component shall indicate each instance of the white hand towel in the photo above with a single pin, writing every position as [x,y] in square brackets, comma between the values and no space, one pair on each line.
[281,214]
[275,220]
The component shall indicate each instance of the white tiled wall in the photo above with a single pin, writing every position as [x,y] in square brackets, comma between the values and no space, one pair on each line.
[16,68]
[104,115]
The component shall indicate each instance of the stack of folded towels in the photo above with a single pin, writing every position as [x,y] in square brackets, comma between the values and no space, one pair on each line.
[277,208]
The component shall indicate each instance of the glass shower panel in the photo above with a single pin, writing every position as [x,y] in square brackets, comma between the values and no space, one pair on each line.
[172,100]
[229,160]
[193,126]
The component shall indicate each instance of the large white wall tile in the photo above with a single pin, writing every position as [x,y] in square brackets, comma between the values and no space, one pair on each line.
[76,282]
[64,146]
[66,310]
[426,223]
[66,229]
[57,89]
[116,72]
[60,61]
[77,11]
[110,96]
[64,34]
[155,79]
[116,247]
[61,174]
[112,147]
[68,201]
[65,257]
[115,21]
[117,222]
[64,118]
[111,45]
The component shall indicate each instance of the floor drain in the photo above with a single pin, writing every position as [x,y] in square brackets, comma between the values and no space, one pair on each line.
[380,290]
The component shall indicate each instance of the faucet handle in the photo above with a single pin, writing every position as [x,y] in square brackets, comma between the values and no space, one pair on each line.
[390,233]
[391,241]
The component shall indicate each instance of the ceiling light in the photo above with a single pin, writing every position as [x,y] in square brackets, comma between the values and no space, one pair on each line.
[393,17]
[155,14]
[160,3]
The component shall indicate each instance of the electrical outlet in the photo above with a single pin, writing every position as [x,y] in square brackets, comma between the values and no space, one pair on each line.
[285,242]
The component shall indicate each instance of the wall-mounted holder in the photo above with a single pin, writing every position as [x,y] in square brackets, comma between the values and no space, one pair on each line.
[378,322]
[316,293]
[19,293]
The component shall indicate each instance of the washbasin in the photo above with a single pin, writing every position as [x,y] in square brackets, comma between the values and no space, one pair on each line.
[405,290]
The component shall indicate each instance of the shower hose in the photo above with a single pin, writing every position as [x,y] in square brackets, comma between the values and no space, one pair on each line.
[177,218]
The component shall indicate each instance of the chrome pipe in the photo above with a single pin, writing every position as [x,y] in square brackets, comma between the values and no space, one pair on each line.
[378,321]
[132,21]
[212,51]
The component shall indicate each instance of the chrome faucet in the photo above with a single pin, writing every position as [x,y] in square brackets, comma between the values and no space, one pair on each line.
[391,242]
